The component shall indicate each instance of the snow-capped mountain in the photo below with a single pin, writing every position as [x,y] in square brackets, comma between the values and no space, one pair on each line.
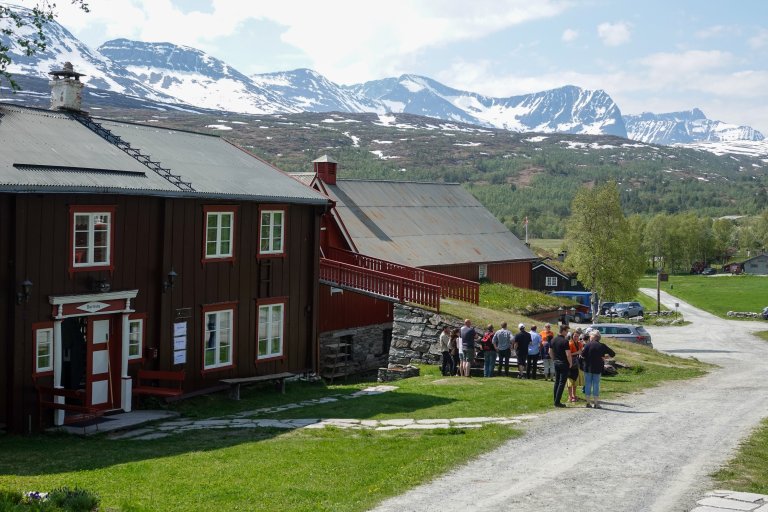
[685,127]
[194,77]
[310,91]
[62,46]
[567,109]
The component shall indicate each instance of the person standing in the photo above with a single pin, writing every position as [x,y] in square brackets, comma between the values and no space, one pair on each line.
[489,352]
[454,345]
[532,361]
[522,340]
[502,340]
[593,353]
[444,342]
[561,357]
[574,375]
[546,339]
[468,337]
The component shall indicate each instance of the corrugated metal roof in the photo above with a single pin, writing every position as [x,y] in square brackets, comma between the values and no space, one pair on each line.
[420,224]
[47,151]
[213,165]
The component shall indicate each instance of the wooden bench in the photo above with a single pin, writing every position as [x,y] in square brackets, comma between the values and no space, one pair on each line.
[234,384]
[148,383]
[46,396]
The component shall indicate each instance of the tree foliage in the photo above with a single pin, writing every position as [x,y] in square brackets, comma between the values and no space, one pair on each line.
[15,24]
[601,246]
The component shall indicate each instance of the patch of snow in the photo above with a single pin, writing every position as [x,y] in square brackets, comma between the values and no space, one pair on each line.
[538,138]
[382,156]
[468,144]
[214,126]
[375,141]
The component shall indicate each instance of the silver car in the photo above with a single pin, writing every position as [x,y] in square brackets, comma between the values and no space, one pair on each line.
[625,332]
[626,309]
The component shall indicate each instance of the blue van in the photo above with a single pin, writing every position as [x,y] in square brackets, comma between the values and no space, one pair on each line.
[583,311]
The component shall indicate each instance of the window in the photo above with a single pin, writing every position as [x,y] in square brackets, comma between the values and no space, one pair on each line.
[271,323]
[43,349]
[218,336]
[92,235]
[219,232]
[272,232]
[550,281]
[135,338]
[482,271]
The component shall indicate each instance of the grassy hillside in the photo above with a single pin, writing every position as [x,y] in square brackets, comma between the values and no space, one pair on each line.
[514,175]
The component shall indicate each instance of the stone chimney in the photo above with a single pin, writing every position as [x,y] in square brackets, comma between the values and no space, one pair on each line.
[66,89]
[325,169]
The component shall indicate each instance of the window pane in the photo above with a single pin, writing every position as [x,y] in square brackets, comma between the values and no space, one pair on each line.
[210,249]
[225,249]
[277,218]
[100,255]
[226,220]
[213,221]
[100,238]
[262,347]
[81,239]
[82,222]
[275,345]
[210,355]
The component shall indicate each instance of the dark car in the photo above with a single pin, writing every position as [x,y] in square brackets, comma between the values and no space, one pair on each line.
[708,271]
[765,313]
[606,307]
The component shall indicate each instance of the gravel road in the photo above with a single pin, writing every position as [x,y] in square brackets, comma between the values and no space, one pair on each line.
[650,451]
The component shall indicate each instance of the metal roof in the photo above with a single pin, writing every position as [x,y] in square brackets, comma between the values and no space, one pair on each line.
[423,224]
[214,166]
[46,151]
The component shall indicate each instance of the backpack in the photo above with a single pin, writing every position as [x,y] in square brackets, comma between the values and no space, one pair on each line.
[487,342]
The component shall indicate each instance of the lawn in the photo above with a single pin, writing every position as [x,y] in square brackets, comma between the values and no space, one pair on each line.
[553,245]
[717,294]
[748,471]
[304,470]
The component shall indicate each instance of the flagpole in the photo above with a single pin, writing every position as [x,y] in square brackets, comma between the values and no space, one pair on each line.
[526,230]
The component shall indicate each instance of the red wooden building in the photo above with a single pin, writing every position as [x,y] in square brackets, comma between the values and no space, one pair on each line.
[129,247]
[436,237]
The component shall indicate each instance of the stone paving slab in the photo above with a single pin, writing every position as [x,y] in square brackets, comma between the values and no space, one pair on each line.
[724,501]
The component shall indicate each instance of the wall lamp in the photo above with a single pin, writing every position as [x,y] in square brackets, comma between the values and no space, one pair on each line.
[170,280]
[23,296]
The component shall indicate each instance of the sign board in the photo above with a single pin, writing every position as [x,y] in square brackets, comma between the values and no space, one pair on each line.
[179,329]
[663,277]
[182,313]
[179,356]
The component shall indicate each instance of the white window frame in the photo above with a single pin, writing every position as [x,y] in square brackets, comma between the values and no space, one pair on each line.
[39,343]
[216,341]
[90,247]
[135,337]
[550,281]
[482,271]
[218,239]
[272,330]
[269,235]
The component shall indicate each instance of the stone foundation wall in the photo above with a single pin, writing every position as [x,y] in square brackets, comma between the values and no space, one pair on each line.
[415,334]
[366,350]
[743,314]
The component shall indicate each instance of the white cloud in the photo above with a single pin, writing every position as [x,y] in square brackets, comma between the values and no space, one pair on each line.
[759,40]
[717,31]
[569,35]
[614,34]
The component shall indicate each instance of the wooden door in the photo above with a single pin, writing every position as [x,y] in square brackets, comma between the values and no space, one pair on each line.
[99,389]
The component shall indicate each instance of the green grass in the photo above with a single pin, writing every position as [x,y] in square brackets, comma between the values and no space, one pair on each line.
[303,470]
[553,245]
[762,334]
[504,297]
[748,471]
[717,294]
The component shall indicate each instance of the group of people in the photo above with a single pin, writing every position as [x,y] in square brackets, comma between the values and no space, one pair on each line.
[571,360]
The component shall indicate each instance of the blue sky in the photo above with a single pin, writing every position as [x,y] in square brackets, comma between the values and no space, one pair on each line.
[657,56]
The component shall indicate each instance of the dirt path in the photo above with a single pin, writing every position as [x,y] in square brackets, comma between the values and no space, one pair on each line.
[651,451]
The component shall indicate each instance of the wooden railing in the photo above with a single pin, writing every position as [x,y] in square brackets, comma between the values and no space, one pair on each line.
[450,286]
[402,289]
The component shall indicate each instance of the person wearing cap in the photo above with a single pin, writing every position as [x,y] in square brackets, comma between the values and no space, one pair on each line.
[546,338]
[593,353]
[520,345]
[532,361]
[502,340]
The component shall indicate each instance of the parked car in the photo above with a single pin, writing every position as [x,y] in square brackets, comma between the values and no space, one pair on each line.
[709,271]
[625,332]
[606,307]
[765,313]
[627,309]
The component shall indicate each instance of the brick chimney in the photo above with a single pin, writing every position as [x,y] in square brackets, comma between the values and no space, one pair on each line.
[66,89]
[325,169]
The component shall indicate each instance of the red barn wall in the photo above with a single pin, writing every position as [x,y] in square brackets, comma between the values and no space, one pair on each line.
[510,272]
[346,310]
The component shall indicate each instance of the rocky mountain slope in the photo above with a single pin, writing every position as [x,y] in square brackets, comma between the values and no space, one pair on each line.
[685,127]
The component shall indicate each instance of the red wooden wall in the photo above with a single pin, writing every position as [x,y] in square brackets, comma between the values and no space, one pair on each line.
[514,273]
